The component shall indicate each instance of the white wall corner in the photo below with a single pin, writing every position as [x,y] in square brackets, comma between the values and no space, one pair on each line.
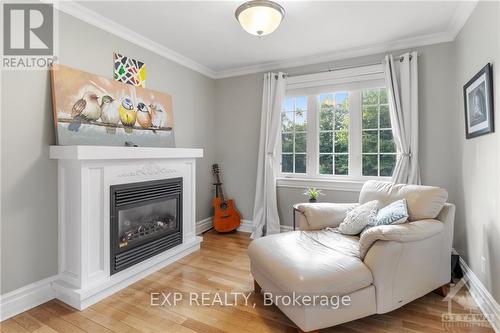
[487,304]
[203,225]
[27,297]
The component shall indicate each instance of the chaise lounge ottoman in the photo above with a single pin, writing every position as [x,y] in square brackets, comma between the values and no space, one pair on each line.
[356,276]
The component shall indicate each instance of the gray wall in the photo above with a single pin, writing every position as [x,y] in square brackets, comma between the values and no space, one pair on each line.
[477,232]
[29,178]
[238,104]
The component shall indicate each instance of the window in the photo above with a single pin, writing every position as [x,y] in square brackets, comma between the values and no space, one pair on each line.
[334,134]
[340,130]
[379,151]
[294,135]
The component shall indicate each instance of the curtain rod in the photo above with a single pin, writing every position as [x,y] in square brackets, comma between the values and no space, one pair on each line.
[331,69]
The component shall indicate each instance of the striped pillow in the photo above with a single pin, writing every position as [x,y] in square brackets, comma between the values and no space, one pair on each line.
[395,213]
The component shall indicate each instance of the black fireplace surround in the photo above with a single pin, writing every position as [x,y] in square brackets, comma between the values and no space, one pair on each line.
[146,219]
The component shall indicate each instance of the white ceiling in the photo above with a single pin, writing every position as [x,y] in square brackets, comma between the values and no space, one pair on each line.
[205,35]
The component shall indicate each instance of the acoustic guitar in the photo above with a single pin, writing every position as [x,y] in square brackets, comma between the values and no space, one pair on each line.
[226,217]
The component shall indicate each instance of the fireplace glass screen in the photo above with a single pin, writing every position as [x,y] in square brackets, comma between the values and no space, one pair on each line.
[138,224]
[145,220]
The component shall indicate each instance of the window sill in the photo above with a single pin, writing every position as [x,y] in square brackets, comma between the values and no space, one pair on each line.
[323,184]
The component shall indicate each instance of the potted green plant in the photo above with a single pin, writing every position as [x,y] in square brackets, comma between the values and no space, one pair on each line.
[313,194]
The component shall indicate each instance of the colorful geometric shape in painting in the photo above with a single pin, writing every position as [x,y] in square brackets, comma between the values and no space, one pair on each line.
[128,70]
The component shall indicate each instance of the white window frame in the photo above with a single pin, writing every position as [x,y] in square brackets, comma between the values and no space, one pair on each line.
[353,81]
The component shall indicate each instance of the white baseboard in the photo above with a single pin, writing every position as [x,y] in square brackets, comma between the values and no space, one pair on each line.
[285,228]
[27,297]
[246,226]
[83,298]
[203,225]
[39,292]
[206,224]
[482,297]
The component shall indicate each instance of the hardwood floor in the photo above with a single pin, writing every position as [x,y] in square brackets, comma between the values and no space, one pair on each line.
[220,266]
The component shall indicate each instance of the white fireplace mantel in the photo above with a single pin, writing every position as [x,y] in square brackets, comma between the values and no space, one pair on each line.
[85,174]
[120,153]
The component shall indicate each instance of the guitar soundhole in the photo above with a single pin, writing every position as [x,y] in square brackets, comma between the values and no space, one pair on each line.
[223,205]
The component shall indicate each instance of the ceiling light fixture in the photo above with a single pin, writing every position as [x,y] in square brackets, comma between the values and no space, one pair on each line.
[260,17]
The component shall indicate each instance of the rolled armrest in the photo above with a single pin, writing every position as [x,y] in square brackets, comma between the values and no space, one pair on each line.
[317,216]
[407,232]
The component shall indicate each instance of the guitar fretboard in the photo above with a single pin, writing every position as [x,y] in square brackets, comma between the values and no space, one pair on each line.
[218,183]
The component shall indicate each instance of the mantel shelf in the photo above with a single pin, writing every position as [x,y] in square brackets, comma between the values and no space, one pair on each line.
[121,153]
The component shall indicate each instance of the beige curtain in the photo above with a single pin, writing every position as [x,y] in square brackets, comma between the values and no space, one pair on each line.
[401,75]
[265,214]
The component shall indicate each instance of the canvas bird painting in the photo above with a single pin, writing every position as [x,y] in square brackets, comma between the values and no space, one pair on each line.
[94,110]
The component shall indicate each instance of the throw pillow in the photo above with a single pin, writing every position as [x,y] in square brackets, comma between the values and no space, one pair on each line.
[358,218]
[395,213]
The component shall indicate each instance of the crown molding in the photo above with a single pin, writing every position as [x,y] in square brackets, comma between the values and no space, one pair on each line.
[91,17]
[344,54]
[456,23]
[460,17]
[458,20]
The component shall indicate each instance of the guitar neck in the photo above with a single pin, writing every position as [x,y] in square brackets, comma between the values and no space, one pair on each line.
[219,184]
[221,194]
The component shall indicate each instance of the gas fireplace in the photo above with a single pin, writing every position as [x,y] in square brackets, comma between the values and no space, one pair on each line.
[146,219]
[124,213]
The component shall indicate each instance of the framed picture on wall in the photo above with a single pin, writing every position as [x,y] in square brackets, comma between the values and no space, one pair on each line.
[94,110]
[478,104]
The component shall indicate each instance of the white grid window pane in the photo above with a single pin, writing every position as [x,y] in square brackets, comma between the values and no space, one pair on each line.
[378,148]
[334,133]
[294,135]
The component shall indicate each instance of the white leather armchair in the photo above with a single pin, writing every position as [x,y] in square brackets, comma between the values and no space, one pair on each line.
[383,269]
